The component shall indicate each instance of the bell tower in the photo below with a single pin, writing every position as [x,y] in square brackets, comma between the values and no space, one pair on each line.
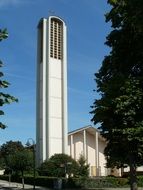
[51,114]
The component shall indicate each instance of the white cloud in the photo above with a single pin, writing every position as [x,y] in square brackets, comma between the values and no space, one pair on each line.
[4,3]
[77,91]
[9,2]
[20,77]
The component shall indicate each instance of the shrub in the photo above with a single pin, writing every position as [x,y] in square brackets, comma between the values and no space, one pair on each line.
[82,182]
[83,167]
[140,181]
[58,166]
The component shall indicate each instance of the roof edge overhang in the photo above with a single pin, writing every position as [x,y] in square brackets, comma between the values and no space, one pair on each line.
[88,128]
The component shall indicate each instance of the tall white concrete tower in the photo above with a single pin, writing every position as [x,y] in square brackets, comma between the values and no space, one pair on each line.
[51,132]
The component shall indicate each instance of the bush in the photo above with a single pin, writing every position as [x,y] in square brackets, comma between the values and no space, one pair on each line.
[40,181]
[58,166]
[83,167]
[140,181]
[100,182]
[74,183]
[86,183]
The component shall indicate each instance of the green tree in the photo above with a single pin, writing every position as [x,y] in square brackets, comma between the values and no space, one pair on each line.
[58,166]
[16,158]
[9,148]
[83,167]
[20,161]
[4,97]
[120,83]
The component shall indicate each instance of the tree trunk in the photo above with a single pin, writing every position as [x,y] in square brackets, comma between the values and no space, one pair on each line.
[133,177]
[122,171]
[22,180]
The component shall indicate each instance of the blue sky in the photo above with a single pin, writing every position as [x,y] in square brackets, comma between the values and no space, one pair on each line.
[87,31]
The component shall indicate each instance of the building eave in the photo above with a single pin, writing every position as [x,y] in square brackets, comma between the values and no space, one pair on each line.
[89,129]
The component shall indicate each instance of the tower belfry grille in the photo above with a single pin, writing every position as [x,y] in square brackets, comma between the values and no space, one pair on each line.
[56,36]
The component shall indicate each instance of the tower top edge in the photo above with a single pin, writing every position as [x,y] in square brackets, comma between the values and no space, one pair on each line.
[56,17]
[49,18]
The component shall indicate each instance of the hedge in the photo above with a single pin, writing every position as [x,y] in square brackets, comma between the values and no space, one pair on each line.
[86,183]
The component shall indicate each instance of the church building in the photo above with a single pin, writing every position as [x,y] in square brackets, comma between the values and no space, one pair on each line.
[51,112]
[88,142]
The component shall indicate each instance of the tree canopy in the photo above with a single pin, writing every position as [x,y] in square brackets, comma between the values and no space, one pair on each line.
[15,157]
[120,84]
[21,161]
[10,147]
[61,165]
[58,166]
[4,97]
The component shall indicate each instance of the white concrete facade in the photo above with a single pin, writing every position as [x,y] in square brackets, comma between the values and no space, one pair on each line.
[51,131]
[88,142]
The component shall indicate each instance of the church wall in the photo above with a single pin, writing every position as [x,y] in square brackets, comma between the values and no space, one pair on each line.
[78,145]
[91,149]
[78,149]
[102,159]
